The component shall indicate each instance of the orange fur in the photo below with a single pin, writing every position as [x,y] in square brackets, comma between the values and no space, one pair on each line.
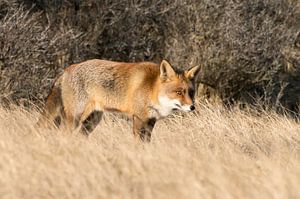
[144,91]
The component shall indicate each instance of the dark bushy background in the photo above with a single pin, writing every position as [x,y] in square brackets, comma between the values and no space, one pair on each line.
[249,49]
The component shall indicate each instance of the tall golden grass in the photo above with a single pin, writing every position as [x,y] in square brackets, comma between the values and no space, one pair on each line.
[213,153]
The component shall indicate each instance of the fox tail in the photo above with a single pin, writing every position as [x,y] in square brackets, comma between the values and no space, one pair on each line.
[53,110]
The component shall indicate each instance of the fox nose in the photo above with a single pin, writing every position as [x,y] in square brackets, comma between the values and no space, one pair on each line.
[192,107]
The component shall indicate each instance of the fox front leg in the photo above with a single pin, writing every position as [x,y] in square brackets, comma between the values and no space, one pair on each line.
[142,128]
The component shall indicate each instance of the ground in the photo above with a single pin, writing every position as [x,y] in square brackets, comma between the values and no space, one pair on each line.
[212,153]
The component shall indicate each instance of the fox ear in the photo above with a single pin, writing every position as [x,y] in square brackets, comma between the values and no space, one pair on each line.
[191,73]
[166,70]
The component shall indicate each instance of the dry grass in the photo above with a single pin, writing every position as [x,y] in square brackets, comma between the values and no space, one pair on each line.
[228,154]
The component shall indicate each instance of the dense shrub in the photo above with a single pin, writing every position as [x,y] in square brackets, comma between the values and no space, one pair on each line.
[32,52]
[248,49]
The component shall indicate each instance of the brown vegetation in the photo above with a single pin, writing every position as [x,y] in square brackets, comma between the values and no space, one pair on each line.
[248,49]
[214,153]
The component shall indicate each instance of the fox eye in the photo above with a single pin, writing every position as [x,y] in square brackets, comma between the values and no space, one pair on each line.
[178,92]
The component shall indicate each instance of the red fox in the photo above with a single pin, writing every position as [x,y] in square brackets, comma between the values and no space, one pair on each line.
[144,91]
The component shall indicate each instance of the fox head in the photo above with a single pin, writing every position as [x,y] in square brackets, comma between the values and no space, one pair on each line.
[177,89]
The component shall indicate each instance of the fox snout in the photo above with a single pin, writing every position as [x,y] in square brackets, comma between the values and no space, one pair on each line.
[192,107]
[188,108]
[185,107]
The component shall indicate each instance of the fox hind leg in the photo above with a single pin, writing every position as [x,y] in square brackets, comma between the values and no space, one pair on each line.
[90,123]
[90,117]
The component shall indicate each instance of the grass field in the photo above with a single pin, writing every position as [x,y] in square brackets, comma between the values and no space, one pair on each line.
[213,153]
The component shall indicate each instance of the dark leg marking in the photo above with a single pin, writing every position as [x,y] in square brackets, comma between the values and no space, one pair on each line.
[90,123]
[146,129]
[57,121]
